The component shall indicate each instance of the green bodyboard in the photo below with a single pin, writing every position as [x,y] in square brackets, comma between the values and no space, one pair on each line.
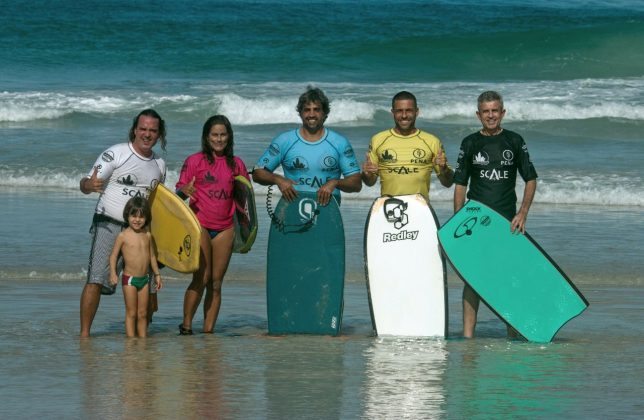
[510,272]
[305,267]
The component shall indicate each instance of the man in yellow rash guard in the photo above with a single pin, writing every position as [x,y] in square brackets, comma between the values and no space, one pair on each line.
[404,156]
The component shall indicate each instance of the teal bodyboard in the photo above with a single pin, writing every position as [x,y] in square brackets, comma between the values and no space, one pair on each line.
[511,273]
[305,267]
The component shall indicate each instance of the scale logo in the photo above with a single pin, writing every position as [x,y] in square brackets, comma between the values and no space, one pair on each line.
[389,156]
[209,178]
[129,179]
[298,164]
[308,210]
[481,158]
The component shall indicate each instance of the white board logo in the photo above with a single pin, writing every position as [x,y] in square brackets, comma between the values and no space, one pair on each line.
[403,235]
[395,212]
[308,210]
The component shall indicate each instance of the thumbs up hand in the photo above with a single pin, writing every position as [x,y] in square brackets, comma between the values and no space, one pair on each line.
[189,188]
[368,166]
[93,183]
[440,160]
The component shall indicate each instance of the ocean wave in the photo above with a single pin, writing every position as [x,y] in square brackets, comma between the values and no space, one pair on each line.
[274,103]
[50,179]
[555,189]
[44,274]
[31,106]
[247,111]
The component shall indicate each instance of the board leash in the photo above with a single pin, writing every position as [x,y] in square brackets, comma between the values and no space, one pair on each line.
[279,224]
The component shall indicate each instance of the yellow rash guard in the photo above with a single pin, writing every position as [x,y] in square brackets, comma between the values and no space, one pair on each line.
[405,163]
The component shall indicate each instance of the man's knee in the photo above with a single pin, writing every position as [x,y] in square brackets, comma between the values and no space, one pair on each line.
[91,293]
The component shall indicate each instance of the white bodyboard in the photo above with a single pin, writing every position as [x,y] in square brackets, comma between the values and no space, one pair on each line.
[405,269]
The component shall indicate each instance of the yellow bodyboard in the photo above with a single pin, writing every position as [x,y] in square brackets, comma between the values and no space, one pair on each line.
[176,231]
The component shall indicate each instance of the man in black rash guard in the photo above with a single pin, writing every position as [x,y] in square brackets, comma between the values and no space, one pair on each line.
[489,159]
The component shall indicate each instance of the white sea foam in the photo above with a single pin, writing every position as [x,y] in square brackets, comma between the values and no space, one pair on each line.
[271,103]
[278,110]
[43,179]
[29,106]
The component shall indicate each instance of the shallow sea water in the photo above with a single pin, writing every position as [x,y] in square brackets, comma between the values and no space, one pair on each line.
[591,370]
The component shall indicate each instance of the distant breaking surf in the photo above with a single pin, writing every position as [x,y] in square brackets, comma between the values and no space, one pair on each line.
[274,103]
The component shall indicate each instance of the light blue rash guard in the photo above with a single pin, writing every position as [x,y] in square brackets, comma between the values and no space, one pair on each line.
[311,164]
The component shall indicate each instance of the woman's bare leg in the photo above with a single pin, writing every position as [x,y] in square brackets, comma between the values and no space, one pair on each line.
[222,249]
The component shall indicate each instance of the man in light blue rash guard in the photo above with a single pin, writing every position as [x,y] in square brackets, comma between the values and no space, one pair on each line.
[314,158]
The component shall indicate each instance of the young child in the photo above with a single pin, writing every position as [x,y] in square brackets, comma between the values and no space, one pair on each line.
[136,246]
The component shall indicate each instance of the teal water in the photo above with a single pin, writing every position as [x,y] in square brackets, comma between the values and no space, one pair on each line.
[320,40]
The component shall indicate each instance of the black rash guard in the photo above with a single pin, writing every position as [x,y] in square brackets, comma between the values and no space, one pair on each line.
[490,164]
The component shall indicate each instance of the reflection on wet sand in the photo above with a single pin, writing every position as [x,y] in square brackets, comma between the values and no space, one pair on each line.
[306,378]
[404,378]
[198,387]
[509,377]
[120,377]
[147,378]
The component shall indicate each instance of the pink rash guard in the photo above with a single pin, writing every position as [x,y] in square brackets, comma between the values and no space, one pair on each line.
[212,201]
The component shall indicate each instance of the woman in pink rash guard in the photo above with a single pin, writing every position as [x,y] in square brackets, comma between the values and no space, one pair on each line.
[207,177]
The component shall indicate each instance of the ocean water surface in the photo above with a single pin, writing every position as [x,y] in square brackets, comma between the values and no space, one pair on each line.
[72,77]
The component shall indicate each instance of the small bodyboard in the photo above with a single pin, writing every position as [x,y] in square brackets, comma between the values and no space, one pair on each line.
[175,229]
[305,267]
[245,217]
[405,269]
[510,272]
